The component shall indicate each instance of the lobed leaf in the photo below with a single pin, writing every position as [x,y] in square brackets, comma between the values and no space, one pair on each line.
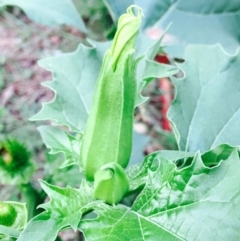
[60,142]
[121,223]
[64,210]
[49,13]
[74,78]
[194,202]
[205,112]
[199,20]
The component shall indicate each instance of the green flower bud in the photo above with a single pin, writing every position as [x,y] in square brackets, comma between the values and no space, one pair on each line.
[8,214]
[15,164]
[108,133]
[111,183]
[125,37]
[14,156]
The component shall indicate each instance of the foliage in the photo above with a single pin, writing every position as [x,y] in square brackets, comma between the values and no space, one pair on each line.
[193,23]
[189,194]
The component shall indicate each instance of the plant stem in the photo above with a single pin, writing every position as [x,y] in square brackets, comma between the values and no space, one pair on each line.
[32,198]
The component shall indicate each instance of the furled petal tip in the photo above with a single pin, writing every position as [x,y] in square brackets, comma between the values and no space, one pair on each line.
[125,37]
[139,11]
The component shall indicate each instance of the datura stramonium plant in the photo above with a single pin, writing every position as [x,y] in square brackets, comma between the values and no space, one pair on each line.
[107,139]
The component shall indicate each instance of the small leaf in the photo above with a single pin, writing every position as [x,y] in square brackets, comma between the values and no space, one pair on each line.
[138,174]
[121,223]
[11,232]
[148,69]
[64,210]
[60,142]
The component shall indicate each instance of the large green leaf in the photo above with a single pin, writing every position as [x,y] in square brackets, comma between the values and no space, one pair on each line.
[64,210]
[49,13]
[74,76]
[205,112]
[202,22]
[197,202]
[138,174]
[121,223]
[148,69]
[192,203]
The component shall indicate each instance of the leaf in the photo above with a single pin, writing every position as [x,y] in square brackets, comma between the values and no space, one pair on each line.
[74,78]
[198,20]
[50,13]
[138,174]
[205,112]
[11,232]
[65,209]
[121,223]
[213,157]
[191,203]
[148,69]
[192,23]
[60,142]
[196,202]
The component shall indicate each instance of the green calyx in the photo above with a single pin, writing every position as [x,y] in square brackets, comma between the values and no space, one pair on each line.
[111,183]
[125,37]
[107,136]
[8,214]
[108,133]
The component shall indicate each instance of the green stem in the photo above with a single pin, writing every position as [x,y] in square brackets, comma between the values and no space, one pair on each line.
[32,198]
